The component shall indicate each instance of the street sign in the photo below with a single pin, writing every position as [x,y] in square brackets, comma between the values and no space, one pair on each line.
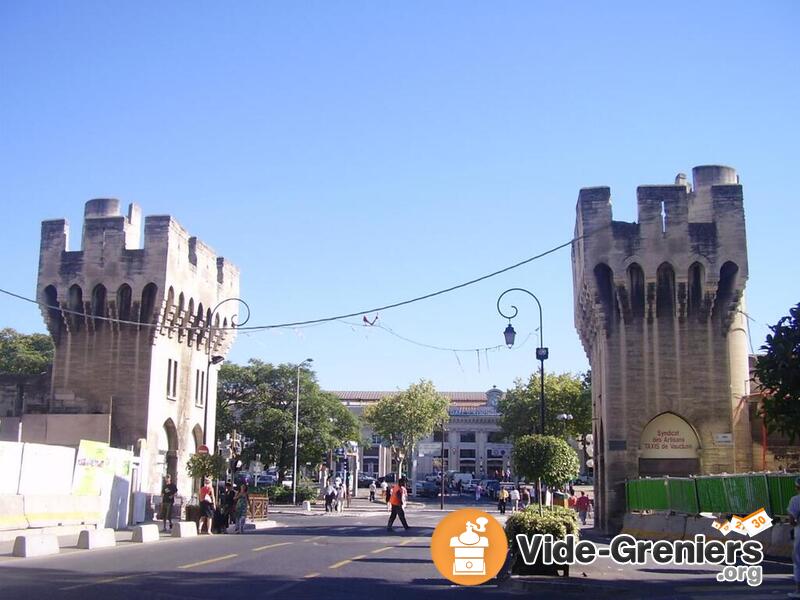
[429,448]
[203,449]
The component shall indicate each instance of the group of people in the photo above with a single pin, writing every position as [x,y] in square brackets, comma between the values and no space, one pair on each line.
[336,495]
[231,508]
[517,496]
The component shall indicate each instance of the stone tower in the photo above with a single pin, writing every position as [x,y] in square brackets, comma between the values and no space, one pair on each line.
[148,365]
[659,309]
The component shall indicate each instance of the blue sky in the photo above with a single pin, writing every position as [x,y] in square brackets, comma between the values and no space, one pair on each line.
[349,155]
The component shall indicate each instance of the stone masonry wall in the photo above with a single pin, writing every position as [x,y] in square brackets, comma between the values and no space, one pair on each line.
[657,308]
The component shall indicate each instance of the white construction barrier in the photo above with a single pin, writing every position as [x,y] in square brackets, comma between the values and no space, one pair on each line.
[145,533]
[183,529]
[89,539]
[653,527]
[632,524]
[675,527]
[27,546]
[62,509]
[12,513]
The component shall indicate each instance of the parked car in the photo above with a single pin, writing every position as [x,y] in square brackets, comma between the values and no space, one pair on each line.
[388,478]
[427,489]
[365,480]
[471,485]
[583,480]
[265,479]
[490,487]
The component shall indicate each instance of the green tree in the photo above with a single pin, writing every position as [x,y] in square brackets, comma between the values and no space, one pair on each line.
[405,418]
[205,465]
[546,458]
[564,393]
[24,354]
[778,373]
[258,400]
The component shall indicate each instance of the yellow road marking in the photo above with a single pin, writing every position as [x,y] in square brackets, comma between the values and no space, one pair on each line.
[311,576]
[349,560]
[106,580]
[208,562]
[379,550]
[408,541]
[260,548]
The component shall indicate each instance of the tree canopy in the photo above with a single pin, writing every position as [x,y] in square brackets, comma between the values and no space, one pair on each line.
[258,400]
[24,354]
[545,457]
[564,393]
[778,373]
[403,419]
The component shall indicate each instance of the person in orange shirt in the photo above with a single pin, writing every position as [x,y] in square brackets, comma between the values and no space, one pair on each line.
[398,503]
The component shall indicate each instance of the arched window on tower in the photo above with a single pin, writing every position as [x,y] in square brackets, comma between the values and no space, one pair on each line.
[53,311]
[696,279]
[727,283]
[169,315]
[200,323]
[604,278]
[636,286]
[148,305]
[99,305]
[665,291]
[124,296]
[76,306]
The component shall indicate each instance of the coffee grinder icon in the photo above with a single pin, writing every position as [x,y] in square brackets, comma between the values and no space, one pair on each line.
[469,549]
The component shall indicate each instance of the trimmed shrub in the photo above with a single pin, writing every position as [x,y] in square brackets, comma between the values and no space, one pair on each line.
[555,520]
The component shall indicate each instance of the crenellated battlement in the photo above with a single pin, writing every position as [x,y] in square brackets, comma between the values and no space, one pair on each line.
[112,276]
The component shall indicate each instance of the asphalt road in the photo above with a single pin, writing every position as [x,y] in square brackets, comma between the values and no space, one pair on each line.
[328,557]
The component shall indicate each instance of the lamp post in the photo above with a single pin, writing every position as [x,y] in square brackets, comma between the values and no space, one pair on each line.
[563,417]
[542,353]
[216,359]
[441,502]
[297,429]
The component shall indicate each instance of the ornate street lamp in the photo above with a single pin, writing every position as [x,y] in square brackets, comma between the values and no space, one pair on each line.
[215,360]
[542,353]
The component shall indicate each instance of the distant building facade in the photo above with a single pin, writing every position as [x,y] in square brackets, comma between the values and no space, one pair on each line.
[149,368]
[659,308]
[473,441]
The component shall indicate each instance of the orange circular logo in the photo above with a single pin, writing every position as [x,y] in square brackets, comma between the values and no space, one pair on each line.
[469,547]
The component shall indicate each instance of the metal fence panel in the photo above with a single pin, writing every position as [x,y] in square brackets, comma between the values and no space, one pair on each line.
[781,489]
[682,495]
[647,494]
[720,494]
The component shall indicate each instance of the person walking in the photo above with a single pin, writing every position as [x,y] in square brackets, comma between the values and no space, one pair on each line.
[514,496]
[582,505]
[168,492]
[397,502]
[372,490]
[387,495]
[228,502]
[341,497]
[478,491]
[330,496]
[502,499]
[207,503]
[242,501]
[525,497]
[794,521]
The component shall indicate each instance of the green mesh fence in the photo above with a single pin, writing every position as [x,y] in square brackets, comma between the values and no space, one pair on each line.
[781,489]
[682,495]
[647,494]
[721,494]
